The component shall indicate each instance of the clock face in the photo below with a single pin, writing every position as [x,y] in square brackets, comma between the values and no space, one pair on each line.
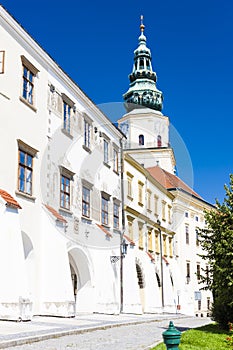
[124,128]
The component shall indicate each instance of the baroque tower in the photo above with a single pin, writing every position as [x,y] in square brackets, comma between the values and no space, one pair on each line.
[146,128]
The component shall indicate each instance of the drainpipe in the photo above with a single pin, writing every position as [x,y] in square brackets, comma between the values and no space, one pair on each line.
[161,261]
[122,228]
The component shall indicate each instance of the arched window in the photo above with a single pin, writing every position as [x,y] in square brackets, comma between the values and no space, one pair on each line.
[141,140]
[159,141]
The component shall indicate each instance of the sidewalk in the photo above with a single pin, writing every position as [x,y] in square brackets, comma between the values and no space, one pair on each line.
[42,328]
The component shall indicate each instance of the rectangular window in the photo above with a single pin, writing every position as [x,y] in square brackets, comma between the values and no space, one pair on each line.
[129,185]
[115,160]
[2,61]
[149,200]
[28,85]
[130,230]
[165,245]
[163,210]
[199,305]
[187,234]
[156,205]
[157,245]
[150,243]
[116,210]
[170,248]
[169,214]
[66,116]
[25,172]
[140,235]
[186,214]
[86,202]
[198,272]
[65,192]
[28,81]
[104,211]
[106,149]
[87,134]
[140,193]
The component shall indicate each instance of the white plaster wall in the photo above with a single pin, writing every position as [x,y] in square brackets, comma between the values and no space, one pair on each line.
[13,276]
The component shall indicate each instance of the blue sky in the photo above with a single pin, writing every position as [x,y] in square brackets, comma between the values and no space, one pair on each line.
[192,50]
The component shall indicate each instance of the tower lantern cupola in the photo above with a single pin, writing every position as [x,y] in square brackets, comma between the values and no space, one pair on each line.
[143,90]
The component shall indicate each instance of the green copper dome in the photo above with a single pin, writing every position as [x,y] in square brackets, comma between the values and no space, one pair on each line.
[142,89]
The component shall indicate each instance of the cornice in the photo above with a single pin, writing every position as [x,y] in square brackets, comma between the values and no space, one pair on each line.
[40,55]
[147,220]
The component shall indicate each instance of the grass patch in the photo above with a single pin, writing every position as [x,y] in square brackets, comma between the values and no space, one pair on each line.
[208,337]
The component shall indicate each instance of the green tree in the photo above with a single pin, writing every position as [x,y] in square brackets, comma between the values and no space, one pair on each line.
[217,243]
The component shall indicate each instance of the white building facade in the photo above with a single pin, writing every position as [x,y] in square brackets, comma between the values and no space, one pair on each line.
[67,207]
[61,185]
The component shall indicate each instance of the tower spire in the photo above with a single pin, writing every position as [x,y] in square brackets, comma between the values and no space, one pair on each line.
[142,89]
[142,27]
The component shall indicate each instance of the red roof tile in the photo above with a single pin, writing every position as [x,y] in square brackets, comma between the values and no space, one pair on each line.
[58,216]
[104,230]
[151,256]
[129,240]
[164,259]
[169,180]
[10,201]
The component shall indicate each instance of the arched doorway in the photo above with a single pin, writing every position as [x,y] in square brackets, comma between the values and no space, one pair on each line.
[141,284]
[74,279]
[80,277]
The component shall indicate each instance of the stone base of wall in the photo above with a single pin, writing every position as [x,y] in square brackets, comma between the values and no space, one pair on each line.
[16,311]
[59,309]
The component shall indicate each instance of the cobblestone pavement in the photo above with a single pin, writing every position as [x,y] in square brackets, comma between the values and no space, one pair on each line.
[123,337]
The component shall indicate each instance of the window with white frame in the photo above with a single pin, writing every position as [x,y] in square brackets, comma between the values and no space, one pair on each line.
[140,236]
[68,106]
[156,205]
[129,185]
[164,210]
[29,72]
[105,208]
[115,160]
[26,156]
[87,129]
[86,201]
[106,151]
[149,200]
[66,176]
[116,214]
[150,241]
[66,116]
[140,193]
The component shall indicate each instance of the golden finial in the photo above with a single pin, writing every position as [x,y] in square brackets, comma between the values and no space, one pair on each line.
[142,27]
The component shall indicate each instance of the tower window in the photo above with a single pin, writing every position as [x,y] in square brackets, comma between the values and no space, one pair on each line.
[141,63]
[159,141]
[141,140]
[148,64]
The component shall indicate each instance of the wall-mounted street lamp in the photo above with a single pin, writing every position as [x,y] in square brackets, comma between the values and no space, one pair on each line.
[124,247]
[161,261]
